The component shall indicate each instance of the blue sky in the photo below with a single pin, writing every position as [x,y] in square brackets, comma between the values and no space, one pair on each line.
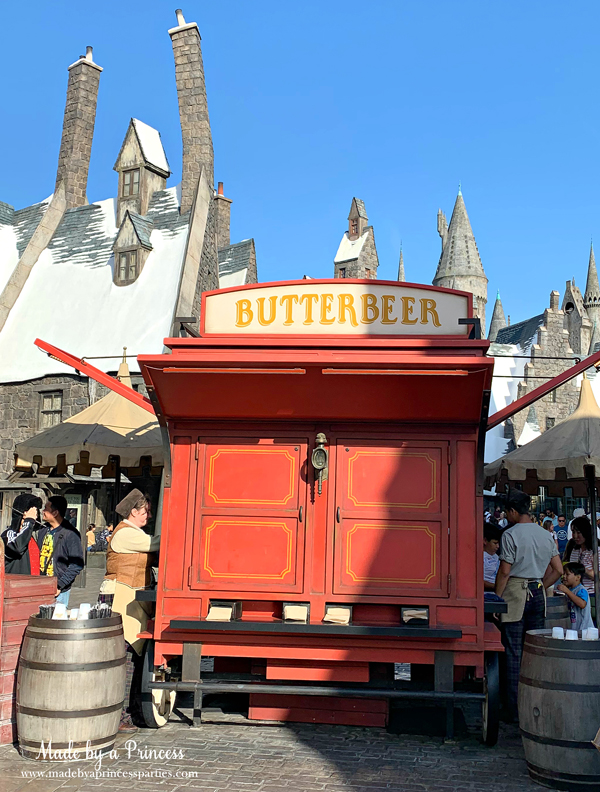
[311,103]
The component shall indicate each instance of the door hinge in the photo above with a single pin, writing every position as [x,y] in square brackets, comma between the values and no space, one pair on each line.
[190,576]
[449,582]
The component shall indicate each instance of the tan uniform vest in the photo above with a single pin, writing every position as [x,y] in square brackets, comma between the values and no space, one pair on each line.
[133,569]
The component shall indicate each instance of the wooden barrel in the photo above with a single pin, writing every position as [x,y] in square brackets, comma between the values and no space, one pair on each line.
[557,613]
[559,711]
[70,686]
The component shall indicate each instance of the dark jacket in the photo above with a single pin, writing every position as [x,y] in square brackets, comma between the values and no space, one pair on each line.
[16,553]
[67,556]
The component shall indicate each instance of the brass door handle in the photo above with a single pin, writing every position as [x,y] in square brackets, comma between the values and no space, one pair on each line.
[300,515]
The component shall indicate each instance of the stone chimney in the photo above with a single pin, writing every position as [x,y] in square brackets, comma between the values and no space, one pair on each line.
[223,218]
[78,129]
[554,298]
[193,109]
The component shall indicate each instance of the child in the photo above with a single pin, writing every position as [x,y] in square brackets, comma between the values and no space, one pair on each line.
[579,599]
[491,562]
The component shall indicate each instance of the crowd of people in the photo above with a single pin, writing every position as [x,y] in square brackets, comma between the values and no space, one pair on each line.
[526,558]
[42,541]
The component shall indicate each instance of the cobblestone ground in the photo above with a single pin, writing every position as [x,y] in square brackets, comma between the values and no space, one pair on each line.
[268,758]
[230,753]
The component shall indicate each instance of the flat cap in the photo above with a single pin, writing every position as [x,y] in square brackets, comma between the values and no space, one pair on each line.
[129,502]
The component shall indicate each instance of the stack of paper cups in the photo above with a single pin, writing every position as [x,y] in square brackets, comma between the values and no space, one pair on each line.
[60,611]
[558,632]
[84,611]
[571,635]
[591,634]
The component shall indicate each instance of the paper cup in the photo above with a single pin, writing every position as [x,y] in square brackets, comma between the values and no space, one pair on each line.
[60,611]
[571,635]
[73,614]
[558,632]
[591,634]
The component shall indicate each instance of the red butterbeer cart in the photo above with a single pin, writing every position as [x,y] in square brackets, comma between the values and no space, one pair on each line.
[323,518]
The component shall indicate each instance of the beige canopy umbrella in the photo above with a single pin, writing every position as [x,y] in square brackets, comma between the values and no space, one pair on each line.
[113,426]
[568,455]
[557,457]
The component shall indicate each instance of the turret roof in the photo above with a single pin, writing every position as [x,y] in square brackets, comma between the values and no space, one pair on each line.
[592,287]
[460,255]
[498,319]
[401,275]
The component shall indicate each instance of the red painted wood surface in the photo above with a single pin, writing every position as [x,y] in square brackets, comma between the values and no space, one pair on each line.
[319,709]
[21,597]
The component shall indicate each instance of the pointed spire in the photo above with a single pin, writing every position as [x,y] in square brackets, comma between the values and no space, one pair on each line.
[401,275]
[498,319]
[592,287]
[460,265]
[460,188]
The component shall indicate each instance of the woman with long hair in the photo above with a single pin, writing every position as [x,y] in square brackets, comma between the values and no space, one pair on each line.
[579,549]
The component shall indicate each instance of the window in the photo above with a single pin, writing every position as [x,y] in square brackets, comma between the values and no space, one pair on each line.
[553,398]
[354,226]
[51,411]
[342,272]
[367,273]
[131,182]
[127,266]
[550,422]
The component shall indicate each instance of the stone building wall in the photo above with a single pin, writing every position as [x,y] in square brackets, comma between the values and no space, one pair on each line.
[552,341]
[208,274]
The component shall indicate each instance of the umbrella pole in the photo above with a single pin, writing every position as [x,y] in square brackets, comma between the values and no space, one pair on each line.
[590,476]
[117,460]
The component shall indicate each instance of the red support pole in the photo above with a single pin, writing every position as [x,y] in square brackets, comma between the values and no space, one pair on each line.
[94,373]
[537,393]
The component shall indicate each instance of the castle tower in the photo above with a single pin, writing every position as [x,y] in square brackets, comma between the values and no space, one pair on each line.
[401,275]
[193,109]
[460,266]
[78,129]
[591,297]
[498,319]
[357,255]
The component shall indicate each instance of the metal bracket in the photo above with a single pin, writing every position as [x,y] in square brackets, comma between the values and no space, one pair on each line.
[475,321]
[185,323]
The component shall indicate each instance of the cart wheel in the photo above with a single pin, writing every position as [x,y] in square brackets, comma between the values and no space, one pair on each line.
[491,705]
[157,705]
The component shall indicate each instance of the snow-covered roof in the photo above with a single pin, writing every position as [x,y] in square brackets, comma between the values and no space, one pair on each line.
[509,370]
[70,299]
[151,144]
[235,262]
[522,333]
[350,249]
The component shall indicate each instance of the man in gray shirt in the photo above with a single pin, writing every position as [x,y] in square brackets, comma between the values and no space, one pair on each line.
[529,564]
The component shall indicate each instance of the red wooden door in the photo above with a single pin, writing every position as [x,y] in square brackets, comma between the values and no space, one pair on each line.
[248,532]
[391,529]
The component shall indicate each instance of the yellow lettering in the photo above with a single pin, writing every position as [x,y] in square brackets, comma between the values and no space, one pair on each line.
[346,302]
[261,310]
[428,307]
[243,313]
[309,299]
[288,300]
[387,301]
[407,309]
[326,300]
[369,304]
